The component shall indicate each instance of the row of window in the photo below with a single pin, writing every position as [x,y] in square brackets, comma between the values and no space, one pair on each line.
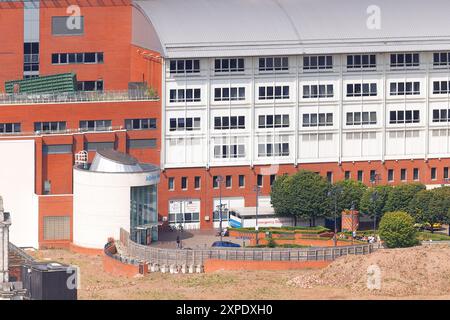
[76,58]
[226,182]
[181,124]
[95,146]
[316,62]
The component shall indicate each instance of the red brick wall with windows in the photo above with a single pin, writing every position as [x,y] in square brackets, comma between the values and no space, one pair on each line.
[55,206]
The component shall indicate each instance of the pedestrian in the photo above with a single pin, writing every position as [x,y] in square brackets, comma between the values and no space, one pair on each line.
[178,242]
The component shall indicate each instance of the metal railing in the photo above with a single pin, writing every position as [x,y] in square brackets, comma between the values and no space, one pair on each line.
[79,96]
[160,256]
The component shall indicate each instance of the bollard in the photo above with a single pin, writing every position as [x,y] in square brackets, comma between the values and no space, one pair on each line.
[199,268]
[191,269]
[163,268]
[183,268]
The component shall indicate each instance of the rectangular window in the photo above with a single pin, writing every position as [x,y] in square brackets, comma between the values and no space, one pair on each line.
[445,174]
[441,87]
[95,125]
[184,66]
[241,181]
[228,148]
[94,146]
[361,89]
[330,176]
[318,91]
[390,175]
[141,143]
[361,61]
[347,175]
[10,128]
[273,121]
[317,119]
[77,58]
[360,175]
[317,62]
[57,149]
[441,59]
[232,122]
[171,183]
[277,146]
[273,92]
[140,124]
[31,57]
[62,26]
[228,181]
[229,94]
[90,85]
[403,174]
[229,65]
[274,64]
[57,228]
[215,182]
[185,95]
[259,180]
[184,183]
[433,174]
[184,124]
[361,118]
[416,174]
[402,60]
[404,116]
[50,126]
[197,181]
[404,88]
[272,179]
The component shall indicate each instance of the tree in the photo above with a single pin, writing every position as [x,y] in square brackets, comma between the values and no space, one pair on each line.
[400,196]
[302,195]
[397,230]
[351,191]
[373,201]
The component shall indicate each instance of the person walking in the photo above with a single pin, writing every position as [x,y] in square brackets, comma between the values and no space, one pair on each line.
[178,242]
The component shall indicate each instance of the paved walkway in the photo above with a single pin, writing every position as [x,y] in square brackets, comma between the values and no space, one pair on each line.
[194,239]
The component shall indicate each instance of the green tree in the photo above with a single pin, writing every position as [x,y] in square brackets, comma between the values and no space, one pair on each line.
[302,195]
[397,230]
[373,201]
[400,196]
[348,191]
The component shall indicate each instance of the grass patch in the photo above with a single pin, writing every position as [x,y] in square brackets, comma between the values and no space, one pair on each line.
[426,236]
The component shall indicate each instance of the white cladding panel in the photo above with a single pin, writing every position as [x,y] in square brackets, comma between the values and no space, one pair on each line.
[17,184]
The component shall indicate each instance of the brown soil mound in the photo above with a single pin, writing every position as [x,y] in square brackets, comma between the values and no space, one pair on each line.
[422,270]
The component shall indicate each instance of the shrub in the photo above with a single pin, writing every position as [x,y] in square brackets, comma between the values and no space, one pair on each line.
[271,243]
[397,230]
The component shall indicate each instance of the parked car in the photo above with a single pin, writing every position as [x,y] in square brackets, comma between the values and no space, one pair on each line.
[226,244]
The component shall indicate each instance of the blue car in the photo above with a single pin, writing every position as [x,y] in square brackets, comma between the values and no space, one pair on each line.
[226,244]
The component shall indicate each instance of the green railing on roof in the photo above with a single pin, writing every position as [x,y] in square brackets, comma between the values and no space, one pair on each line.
[63,82]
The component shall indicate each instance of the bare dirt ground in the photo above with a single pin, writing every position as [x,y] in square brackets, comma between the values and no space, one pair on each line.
[415,273]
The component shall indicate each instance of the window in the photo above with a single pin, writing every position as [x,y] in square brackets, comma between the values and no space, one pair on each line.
[229,147]
[90,85]
[441,87]
[259,180]
[94,146]
[317,62]
[57,149]
[274,64]
[433,174]
[229,65]
[277,146]
[141,143]
[182,124]
[10,127]
[184,66]
[347,175]
[403,174]
[401,116]
[361,61]
[197,181]
[184,183]
[445,173]
[275,92]
[416,174]
[241,181]
[228,180]
[215,182]
[360,175]
[404,60]
[50,127]
[405,88]
[272,179]
[95,125]
[361,89]
[31,57]
[57,228]
[77,58]
[140,124]
[441,59]
[330,176]
[273,121]
[232,122]
[171,183]
[361,118]
[47,187]
[441,115]
[391,175]
[185,95]
[229,94]
[317,119]
[318,91]
[67,26]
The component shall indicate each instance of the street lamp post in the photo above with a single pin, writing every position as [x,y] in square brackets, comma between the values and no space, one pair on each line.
[257,189]
[219,181]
